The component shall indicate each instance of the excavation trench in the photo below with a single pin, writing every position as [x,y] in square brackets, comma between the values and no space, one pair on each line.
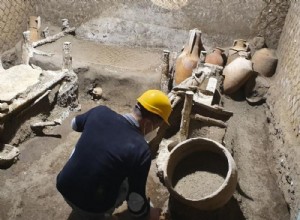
[28,186]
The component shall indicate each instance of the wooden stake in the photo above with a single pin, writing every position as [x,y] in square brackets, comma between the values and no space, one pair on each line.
[65,24]
[185,119]
[165,78]
[27,49]
[67,58]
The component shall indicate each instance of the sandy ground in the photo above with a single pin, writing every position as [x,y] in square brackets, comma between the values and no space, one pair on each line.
[28,187]
[247,136]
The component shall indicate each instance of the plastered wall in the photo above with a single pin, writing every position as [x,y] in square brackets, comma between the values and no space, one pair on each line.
[159,22]
[284,103]
[14,15]
[162,23]
[287,79]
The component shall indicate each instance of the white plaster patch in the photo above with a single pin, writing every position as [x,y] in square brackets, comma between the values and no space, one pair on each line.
[16,80]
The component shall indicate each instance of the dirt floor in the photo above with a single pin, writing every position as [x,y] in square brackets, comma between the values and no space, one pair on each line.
[28,187]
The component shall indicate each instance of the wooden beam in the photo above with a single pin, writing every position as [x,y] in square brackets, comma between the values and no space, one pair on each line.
[209,120]
[53,38]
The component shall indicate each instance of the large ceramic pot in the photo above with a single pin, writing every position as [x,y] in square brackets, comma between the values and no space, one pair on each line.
[265,62]
[206,172]
[216,57]
[239,46]
[236,74]
[189,57]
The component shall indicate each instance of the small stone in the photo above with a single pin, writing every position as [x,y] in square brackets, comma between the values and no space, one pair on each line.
[8,153]
[4,107]
[281,162]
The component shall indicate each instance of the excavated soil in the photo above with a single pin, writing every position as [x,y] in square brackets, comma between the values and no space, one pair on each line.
[28,187]
[199,175]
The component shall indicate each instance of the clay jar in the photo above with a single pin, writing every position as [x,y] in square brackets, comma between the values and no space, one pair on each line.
[236,74]
[265,62]
[189,57]
[238,46]
[215,57]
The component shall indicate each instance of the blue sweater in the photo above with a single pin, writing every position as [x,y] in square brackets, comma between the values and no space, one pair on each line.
[109,150]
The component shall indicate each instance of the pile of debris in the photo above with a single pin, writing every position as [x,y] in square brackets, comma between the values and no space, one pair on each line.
[23,87]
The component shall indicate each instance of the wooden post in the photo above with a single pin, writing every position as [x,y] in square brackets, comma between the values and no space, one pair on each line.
[185,119]
[34,28]
[67,58]
[27,49]
[65,24]
[165,78]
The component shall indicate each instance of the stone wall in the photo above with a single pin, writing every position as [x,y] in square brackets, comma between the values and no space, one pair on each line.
[288,77]
[13,21]
[154,23]
[165,23]
[284,103]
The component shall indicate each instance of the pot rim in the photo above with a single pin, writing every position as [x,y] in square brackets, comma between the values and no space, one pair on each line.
[224,151]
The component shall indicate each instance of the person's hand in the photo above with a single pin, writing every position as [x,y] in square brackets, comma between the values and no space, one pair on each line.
[154,213]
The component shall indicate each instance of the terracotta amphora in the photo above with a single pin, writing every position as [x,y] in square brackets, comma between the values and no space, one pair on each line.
[215,57]
[265,62]
[236,74]
[239,45]
[189,57]
[34,26]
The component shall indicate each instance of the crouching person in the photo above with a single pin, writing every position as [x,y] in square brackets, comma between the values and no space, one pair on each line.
[111,160]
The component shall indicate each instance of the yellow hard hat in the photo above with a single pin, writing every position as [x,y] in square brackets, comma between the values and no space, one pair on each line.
[157,102]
